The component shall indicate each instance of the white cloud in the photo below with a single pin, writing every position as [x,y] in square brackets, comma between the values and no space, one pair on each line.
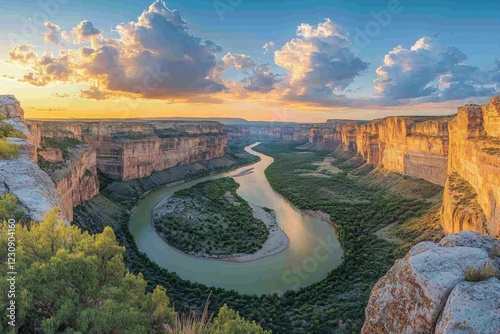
[320,62]
[429,72]
[238,61]
[54,33]
[269,47]
[154,57]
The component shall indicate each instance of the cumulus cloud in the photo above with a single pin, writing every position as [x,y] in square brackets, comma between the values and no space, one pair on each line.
[153,57]
[94,93]
[54,33]
[261,79]
[429,72]
[269,47]
[320,62]
[85,31]
[238,61]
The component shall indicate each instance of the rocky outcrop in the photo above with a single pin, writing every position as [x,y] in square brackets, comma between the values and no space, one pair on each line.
[21,176]
[133,149]
[75,178]
[427,291]
[471,199]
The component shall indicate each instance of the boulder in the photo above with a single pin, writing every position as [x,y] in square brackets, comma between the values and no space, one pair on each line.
[472,307]
[412,295]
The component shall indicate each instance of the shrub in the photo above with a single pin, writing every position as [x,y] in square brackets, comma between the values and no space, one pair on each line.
[8,207]
[8,150]
[7,130]
[480,274]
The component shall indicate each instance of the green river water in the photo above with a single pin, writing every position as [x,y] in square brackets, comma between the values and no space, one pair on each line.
[313,248]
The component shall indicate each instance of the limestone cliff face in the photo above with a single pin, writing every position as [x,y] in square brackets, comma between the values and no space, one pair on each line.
[76,180]
[472,194]
[22,176]
[296,132]
[329,133]
[426,291]
[414,146]
[133,149]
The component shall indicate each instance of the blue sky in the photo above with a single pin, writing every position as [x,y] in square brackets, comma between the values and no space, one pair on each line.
[243,27]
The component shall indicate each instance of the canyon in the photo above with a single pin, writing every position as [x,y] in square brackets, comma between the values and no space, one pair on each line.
[291,132]
[75,150]
[460,152]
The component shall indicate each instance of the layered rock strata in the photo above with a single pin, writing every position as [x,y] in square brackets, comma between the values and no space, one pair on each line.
[472,193]
[133,149]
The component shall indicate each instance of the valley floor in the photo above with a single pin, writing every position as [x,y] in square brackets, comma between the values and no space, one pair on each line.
[359,201]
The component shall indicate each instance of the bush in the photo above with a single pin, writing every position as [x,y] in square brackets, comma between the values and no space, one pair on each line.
[7,130]
[8,150]
[8,207]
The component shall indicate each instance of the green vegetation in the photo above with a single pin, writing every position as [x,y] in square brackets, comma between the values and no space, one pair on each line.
[210,218]
[74,282]
[482,273]
[9,207]
[7,130]
[130,135]
[8,150]
[335,304]
[63,143]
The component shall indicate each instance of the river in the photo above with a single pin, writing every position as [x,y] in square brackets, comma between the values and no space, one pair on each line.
[313,249]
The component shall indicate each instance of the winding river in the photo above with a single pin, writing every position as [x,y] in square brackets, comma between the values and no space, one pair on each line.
[313,249]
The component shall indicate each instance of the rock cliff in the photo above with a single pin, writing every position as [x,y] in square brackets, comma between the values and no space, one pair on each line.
[133,149]
[296,132]
[435,289]
[472,193]
[413,146]
[21,176]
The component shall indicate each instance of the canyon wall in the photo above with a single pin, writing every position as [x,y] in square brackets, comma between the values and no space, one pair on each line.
[133,149]
[472,193]
[297,132]
[413,146]
[21,176]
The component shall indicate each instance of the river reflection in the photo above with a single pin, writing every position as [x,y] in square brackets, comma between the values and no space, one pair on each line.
[313,250]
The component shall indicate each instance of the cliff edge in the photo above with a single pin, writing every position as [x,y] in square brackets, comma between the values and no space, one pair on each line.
[445,287]
[19,173]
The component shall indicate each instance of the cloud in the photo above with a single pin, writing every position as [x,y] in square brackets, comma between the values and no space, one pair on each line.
[238,61]
[85,31]
[320,63]
[269,47]
[429,72]
[262,79]
[61,96]
[54,33]
[153,57]
[94,93]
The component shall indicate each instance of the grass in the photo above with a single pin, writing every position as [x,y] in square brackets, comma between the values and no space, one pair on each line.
[8,150]
[7,130]
[482,273]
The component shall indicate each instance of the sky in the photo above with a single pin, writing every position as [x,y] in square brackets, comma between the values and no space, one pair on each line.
[302,61]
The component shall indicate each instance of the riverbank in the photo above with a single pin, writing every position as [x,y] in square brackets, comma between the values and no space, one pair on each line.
[276,242]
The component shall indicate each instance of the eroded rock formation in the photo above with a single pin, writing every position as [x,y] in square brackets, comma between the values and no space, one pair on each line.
[294,132]
[427,291]
[133,149]
[414,146]
[472,194]
[21,176]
